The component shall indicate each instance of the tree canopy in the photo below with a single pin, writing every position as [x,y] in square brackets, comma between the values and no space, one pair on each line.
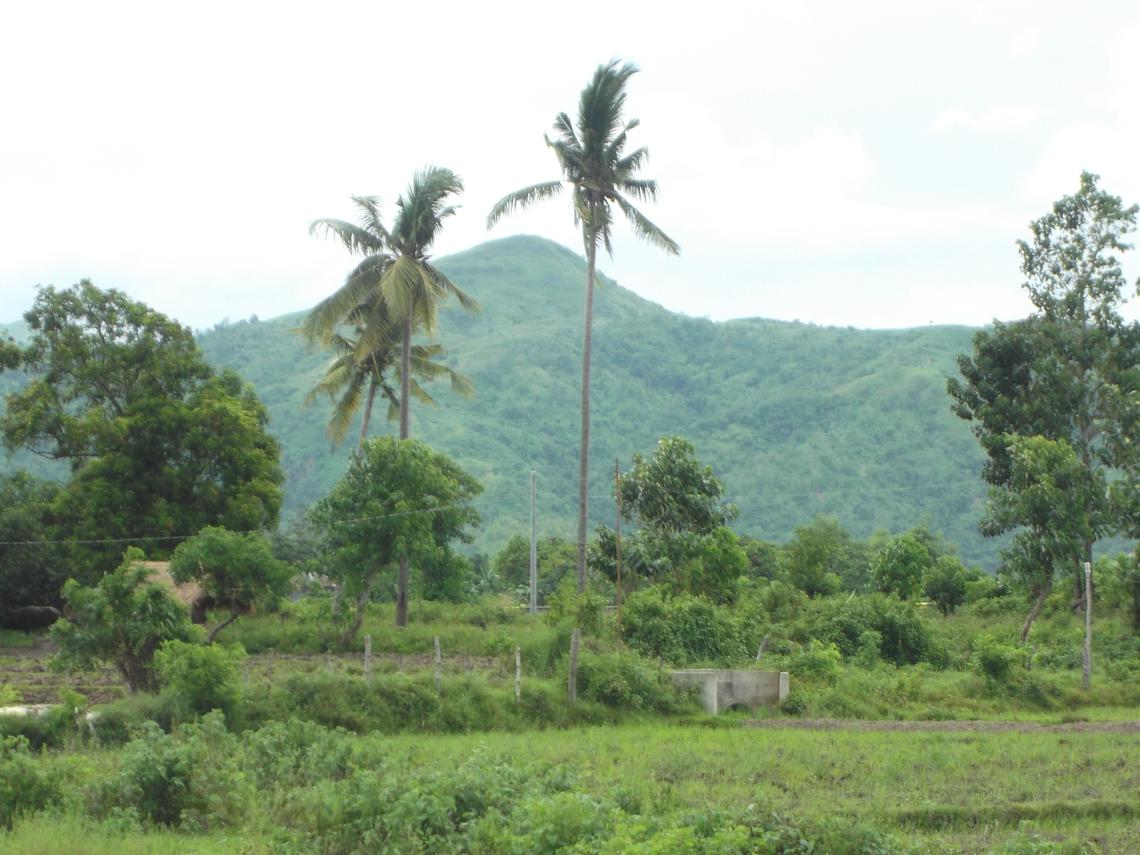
[398,501]
[159,445]
[1055,398]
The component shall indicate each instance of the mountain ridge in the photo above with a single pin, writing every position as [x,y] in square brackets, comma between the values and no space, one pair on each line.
[797,419]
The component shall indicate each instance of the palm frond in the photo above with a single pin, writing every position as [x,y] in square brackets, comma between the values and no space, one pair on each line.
[645,229]
[355,238]
[443,286]
[523,198]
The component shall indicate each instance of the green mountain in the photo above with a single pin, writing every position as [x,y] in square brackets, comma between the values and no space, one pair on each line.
[798,420]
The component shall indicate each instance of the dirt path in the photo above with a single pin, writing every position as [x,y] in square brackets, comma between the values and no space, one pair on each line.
[945,726]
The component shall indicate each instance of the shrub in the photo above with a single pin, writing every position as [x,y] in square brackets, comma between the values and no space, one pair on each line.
[24,787]
[681,629]
[585,609]
[993,660]
[200,677]
[625,680]
[945,583]
[187,779]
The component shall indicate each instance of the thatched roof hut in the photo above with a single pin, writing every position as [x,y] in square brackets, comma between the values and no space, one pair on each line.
[187,593]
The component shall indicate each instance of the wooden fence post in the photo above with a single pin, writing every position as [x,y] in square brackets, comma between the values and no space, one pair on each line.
[572,685]
[368,658]
[518,674]
[438,663]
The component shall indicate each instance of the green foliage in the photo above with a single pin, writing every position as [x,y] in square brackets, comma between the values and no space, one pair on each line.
[189,779]
[24,786]
[945,582]
[626,681]
[556,557]
[680,629]
[31,570]
[585,609]
[672,493]
[899,566]
[993,660]
[715,564]
[1054,397]
[398,501]
[200,678]
[234,570]
[849,621]
[123,620]
[821,556]
[158,443]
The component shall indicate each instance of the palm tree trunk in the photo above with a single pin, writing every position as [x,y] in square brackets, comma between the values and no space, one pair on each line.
[584,455]
[367,418]
[405,423]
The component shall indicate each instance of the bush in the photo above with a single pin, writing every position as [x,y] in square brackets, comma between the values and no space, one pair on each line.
[585,609]
[627,681]
[199,677]
[24,788]
[681,629]
[848,622]
[993,660]
[188,779]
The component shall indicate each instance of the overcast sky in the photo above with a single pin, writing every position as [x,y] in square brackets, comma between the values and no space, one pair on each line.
[867,164]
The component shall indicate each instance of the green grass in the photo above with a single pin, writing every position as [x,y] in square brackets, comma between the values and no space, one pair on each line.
[933,792]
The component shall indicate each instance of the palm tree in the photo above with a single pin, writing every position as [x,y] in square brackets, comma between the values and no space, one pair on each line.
[601,176]
[350,373]
[403,284]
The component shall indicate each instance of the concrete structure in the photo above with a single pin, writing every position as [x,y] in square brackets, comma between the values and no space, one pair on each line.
[723,689]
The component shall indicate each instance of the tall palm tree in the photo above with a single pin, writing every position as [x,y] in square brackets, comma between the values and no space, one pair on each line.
[399,284]
[601,176]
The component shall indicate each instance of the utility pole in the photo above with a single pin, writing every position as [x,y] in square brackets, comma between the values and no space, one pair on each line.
[533,548]
[617,541]
[1086,677]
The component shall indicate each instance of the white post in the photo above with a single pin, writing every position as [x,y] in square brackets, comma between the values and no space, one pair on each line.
[368,658]
[1086,678]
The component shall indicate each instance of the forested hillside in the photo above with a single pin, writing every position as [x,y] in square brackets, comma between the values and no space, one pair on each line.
[798,420]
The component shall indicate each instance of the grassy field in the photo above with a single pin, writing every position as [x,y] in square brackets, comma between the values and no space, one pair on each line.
[922,792]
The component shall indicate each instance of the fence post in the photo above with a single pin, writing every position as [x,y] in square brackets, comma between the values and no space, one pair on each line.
[438,663]
[518,674]
[572,685]
[368,658]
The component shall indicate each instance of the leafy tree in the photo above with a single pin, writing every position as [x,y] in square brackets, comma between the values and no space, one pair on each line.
[715,565]
[556,558]
[601,175]
[123,619]
[1069,374]
[944,582]
[200,678]
[672,493]
[898,567]
[31,568]
[765,559]
[400,501]
[159,445]
[234,570]
[820,554]
[1047,499]
[398,269]
[9,354]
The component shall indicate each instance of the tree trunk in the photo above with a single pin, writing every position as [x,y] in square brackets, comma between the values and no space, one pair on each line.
[1043,591]
[405,429]
[234,614]
[361,602]
[367,418]
[584,455]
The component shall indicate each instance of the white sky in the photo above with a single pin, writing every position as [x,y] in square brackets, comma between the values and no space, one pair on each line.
[867,164]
